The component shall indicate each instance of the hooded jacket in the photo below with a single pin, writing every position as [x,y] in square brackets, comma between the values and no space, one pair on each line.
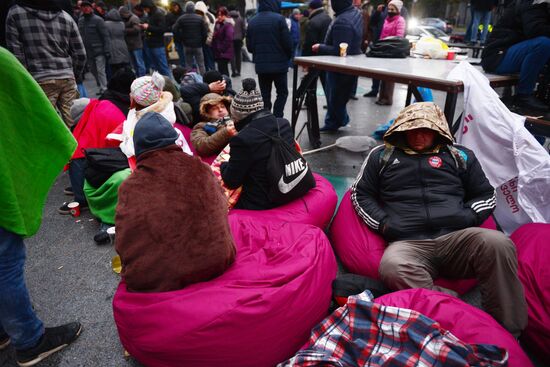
[316,30]
[119,49]
[132,30]
[202,10]
[517,24]
[154,34]
[60,54]
[178,247]
[191,28]
[268,39]
[95,35]
[413,196]
[346,27]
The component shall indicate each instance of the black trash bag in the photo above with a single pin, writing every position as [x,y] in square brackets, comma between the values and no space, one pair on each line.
[391,47]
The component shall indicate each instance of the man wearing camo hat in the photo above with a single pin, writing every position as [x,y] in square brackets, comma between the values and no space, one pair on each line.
[427,196]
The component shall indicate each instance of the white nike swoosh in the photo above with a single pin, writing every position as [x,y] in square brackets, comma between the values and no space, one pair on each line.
[285,188]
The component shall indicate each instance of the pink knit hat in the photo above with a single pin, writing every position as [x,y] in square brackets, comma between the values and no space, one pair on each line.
[147,89]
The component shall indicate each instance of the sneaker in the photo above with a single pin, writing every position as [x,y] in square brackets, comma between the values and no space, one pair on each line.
[370,94]
[102,238]
[528,103]
[353,98]
[328,130]
[53,340]
[68,190]
[4,341]
[65,210]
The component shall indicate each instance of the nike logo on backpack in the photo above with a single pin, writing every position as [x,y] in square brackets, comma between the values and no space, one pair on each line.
[285,188]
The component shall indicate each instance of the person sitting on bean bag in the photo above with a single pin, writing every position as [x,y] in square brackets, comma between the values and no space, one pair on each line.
[163,244]
[213,134]
[425,196]
[251,148]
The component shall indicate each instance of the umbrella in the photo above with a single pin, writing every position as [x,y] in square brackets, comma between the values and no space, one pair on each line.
[289,5]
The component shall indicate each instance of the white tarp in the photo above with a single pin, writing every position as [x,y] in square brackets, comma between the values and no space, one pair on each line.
[514,162]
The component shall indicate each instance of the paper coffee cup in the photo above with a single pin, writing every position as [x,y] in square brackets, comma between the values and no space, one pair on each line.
[111,232]
[74,208]
[343,49]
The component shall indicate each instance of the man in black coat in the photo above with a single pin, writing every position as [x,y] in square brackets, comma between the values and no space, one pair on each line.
[193,31]
[427,197]
[173,15]
[154,37]
[520,43]
[268,39]
[317,27]
[250,149]
[347,27]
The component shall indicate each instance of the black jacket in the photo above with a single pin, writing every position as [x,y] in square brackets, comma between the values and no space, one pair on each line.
[347,27]
[171,19]
[154,34]
[268,39]
[484,5]
[519,22]
[249,150]
[316,30]
[422,196]
[191,29]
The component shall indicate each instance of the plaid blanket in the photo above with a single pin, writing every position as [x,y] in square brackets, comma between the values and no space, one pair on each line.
[363,333]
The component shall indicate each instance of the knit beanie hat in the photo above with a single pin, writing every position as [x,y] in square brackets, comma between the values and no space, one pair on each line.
[147,89]
[315,4]
[397,3]
[153,131]
[78,107]
[247,101]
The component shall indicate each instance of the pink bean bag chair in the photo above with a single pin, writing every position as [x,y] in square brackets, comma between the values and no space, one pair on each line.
[360,248]
[467,322]
[186,131]
[533,248]
[315,208]
[258,313]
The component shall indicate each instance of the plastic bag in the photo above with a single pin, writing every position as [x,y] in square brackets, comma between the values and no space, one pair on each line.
[432,47]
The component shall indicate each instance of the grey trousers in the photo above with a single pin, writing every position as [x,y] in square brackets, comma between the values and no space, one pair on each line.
[484,254]
[193,55]
[97,66]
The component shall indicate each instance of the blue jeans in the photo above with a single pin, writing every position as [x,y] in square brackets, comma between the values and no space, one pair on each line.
[480,17]
[281,85]
[138,62]
[208,58]
[528,58]
[181,52]
[76,175]
[157,58]
[338,88]
[17,317]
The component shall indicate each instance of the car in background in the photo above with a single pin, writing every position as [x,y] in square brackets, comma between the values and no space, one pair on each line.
[414,33]
[437,23]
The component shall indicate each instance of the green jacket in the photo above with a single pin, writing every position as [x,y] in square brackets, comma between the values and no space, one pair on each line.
[35,144]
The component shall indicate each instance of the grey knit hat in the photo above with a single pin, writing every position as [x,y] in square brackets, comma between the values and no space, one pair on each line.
[78,107]
[247,101]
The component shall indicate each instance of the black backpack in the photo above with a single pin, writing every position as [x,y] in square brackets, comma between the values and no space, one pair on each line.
[102,163]
[288,174]
[391,47]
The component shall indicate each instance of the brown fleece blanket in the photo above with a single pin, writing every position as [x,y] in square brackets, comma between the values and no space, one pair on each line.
[171,223]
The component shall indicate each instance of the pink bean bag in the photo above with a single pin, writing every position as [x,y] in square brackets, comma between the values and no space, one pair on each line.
[467,322]
[360,249]
[258,313]
[315,208]
[186,131]
[533,248]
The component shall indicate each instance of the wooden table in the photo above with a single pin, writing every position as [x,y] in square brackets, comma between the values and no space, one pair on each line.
[414,72]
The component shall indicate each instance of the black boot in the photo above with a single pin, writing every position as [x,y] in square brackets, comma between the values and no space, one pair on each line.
[529,104]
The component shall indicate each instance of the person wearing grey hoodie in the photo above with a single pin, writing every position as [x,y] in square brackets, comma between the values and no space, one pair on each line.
[239,31]
[192,30]
[120,57]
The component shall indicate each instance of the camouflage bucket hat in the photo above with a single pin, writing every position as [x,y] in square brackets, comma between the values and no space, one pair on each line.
[419,115]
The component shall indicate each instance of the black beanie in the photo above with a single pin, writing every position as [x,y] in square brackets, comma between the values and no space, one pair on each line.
[153,131]
[212,76]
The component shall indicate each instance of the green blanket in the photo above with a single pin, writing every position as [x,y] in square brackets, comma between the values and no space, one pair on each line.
[35,144]
[102,201]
